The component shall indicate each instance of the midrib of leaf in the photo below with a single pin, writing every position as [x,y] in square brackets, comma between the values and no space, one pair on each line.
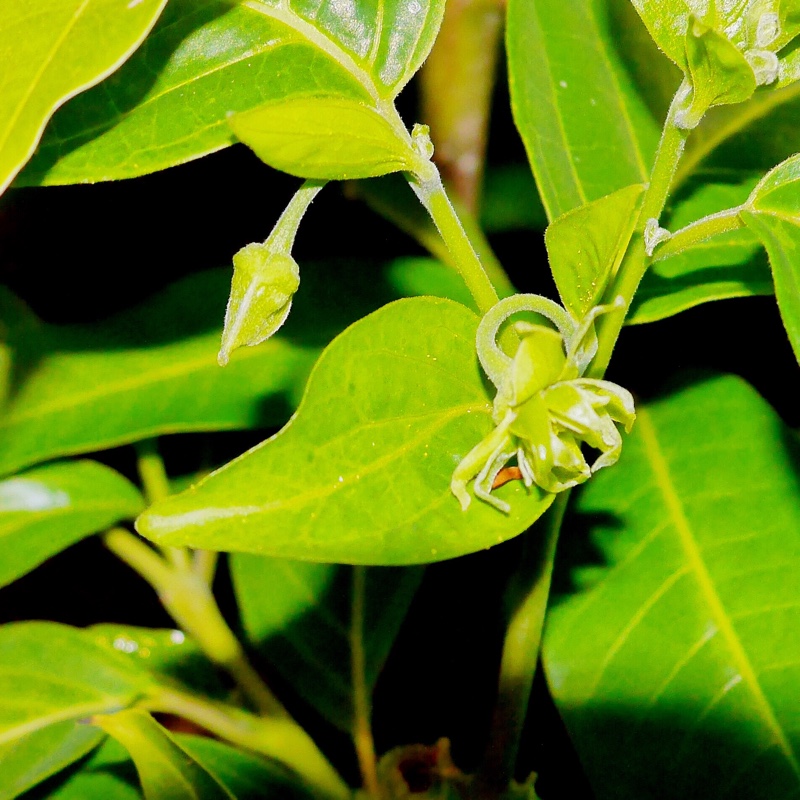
[28,518]
[42,69]
[283,13]
[750,113]
[201,516]
[73,712]
[547,64]
[622,108]
[778,215]
[663,479]
[376,42]
[168,90]
[172,371]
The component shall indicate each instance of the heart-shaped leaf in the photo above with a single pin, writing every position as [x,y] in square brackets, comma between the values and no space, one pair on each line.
[773,214]
[675,659]
[216,57]
[361,474]
[47,509]
[51,51]
[153,369]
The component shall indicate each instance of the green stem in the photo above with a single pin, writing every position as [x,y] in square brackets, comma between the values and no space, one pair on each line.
[635,262]
[527,594]
[155,483]
[279,738]
[362,727]
[188,598]
[281,240]
[204,564]
[698,232]
[427,185]
[416,222]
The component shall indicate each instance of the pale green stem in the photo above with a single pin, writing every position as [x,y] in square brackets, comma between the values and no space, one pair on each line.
[279,738]
[427,185]
[281,240]
[188,599]
[420,227]
[698,232]
[635,262]
[527,596]
[204,564]
[362,727]
[155,483]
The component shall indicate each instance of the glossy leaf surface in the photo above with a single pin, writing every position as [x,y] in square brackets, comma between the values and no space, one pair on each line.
[207,59]
[293,610]
[586,245]
[164,768]
[586,126]
[168,654]
[729,265]
[773,214]
[683,644]
[361,474]
[52,673]
[47,509]
[30,759]
[51,50]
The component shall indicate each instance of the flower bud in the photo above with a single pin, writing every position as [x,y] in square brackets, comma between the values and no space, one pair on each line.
[264,282]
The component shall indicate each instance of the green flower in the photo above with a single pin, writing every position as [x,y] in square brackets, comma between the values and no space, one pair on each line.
[544,410]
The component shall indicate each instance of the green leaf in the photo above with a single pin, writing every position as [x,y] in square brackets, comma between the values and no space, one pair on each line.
[675,663]
[44,511]
[585,247]
[52,673]
[216,57]
[244,775]
[293,610]
[361,474]
[108,774]
[52,51]
[731,264]
[329,138]
[586,126]
[169,655]
[717,71]
[154,370]
[30,759]
[165,769]
[773,214]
